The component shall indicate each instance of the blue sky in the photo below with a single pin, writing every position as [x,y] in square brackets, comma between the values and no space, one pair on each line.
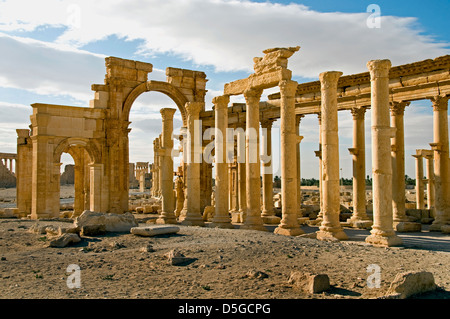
[53,50]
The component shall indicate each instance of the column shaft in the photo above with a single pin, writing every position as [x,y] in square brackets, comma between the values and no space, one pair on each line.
[330,227]
[441,162]
[398,163]
[268,214]
[167,215]
[253,184]
[420,187]
[382,233]
[221,217]
[194,149]
[359,168]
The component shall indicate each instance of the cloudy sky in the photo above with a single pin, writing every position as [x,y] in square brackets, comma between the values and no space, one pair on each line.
[53,50]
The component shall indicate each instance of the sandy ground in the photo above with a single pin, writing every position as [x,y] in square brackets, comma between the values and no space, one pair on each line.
[112,266]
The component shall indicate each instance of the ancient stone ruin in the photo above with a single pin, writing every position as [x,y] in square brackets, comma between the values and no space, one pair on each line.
[97,139]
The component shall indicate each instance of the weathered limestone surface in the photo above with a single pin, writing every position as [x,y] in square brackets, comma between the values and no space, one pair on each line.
[382,233]
[309,283]
[150,231]
[410,283]
[112,222]
[330,227]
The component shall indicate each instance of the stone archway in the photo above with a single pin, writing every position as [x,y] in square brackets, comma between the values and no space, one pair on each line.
[87,183]
[157,86]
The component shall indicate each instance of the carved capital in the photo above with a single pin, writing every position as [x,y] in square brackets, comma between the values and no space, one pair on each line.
[398,108]
[221,102]
[298,119]
[358,113]
[193,108]
[288,88]
[167,113]
[379,68]
[440,103]
[267,123]
[252,95]
[329,80]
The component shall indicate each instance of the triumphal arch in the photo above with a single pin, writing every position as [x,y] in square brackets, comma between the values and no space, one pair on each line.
[97,138]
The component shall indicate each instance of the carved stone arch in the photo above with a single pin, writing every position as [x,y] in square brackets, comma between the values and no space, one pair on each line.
[65,145]
[163,87]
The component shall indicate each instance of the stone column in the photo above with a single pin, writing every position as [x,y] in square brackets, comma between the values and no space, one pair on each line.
[253,218]
[96,173]
[268,214]
[319,156]
[430,184]
[382,233]
[24,171]
[298,119]
[221,217]
[42,174]
[167,215]
[441,162]
[242,189]
[155,168]
[194,148]
[330,227]
[420,186]
[398,163]
[289,139]
[359,217]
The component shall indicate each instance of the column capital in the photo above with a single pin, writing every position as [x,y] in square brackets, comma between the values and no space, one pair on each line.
[194,108]
[221,101]
[298,118]
[440,103]
[398,108]
[379,68]
[288,88]
[329,79]
[267,123]
[167,113]
[358,113]
[252,94]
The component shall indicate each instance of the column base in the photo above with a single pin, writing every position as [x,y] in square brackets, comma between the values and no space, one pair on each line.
[384,241]
[360,223]
[166,220]
[436,226]
[273,220]
[280,230]
[225,225]
[193,221]
[404,227]
[256,225]
[331,236]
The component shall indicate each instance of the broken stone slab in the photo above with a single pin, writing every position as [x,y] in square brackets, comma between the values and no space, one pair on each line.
[256,274]
[176,258]
[410,283]
[309,282]
[445,229]
[404,227]
[64,240]
[149,231]
[112,222]
[92,230]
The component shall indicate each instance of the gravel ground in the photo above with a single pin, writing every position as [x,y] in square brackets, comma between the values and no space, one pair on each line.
[113,265]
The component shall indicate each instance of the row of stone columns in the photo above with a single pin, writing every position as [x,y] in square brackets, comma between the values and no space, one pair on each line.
[5,161]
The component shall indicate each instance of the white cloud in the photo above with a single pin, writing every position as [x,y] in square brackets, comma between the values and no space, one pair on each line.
[228,34]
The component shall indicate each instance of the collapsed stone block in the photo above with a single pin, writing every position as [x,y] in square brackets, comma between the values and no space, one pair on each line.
[111,222]
[64,240]
[309,283]
[411,283]
[154,230]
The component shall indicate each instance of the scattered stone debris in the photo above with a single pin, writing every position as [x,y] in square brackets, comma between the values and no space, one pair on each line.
[64,240]
[256,274]
[309,283]
[111,222]
[410,283]
[176,258]
[150,231]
